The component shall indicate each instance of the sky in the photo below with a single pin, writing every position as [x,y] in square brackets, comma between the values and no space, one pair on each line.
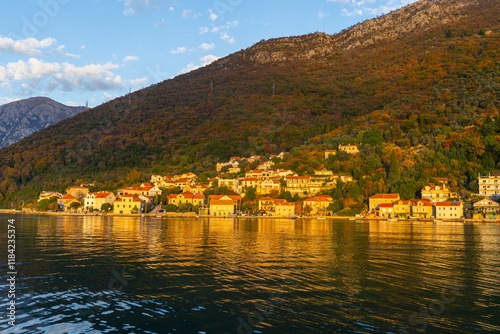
[75,51]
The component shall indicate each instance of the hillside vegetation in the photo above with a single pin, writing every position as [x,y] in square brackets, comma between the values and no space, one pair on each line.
[430,92]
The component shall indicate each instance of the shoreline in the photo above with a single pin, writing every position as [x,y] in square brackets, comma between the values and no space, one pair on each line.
[192,215]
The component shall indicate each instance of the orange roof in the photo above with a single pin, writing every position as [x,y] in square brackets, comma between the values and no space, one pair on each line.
[449,204]
[68,197]
[218,197]
[266,199]
[386,205]
[250,179]
[199,196]
[102,194]
[135,199]
[298,177]
[387,196]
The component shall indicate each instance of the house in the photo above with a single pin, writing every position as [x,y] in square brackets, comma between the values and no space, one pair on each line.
[329,153]
[317,205]
[268,204]
[436,193]
[257,174]
[422,208]
[449,210]
[78,192]
[385,210]
[198,189]
[128,204]
[298,184]
[65,202]
[266,186]
[486,205]
[165,182]
[152,190]
[48,195]
[183,182]
[489,186]
[186,198]
[156,178]
[402,208]
[249,182]
[376,200]
[352,149]
[231,184]
[147,190]
[265,165]
[221,165]
[96,200]
[234,170]
[223,205]
[284,209]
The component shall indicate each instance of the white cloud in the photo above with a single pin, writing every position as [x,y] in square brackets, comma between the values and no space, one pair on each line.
[28,46]
[138,82]
[205,60]
[72,104]
[36,73]
[180,49]
[4,100]
[135,6]
[208,59]
[130,58]
[212,16]
[82,47]
[207,47]
[226,37]
[186,13]
[322,14]
[203,30]
[171,9]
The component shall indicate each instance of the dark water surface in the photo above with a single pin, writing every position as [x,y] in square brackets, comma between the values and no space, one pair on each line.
[125,275]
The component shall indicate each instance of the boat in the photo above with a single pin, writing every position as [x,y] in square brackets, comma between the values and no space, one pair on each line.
[320,218]
[392,219]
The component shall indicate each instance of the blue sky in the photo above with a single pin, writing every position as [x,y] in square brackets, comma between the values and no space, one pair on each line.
[75,51]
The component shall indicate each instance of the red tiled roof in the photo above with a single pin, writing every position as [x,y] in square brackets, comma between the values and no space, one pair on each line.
[217,197]
[386,205]
[387,196]
[68,197]
[448,204]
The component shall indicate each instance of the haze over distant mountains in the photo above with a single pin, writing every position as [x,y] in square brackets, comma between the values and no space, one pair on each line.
[21,118]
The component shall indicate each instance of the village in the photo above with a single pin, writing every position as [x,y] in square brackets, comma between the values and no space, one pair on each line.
[255,194]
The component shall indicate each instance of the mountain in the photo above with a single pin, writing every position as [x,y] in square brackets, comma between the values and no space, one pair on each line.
[423,80]
[22,118]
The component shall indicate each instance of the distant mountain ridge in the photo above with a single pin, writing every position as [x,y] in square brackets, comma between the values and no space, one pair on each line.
[21,118]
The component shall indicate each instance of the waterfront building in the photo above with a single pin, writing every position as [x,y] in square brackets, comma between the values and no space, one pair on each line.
[449,210]
[489,185]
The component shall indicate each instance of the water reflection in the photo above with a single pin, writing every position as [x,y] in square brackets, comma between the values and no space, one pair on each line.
[83,274]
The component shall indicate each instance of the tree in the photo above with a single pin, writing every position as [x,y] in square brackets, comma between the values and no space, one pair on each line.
[394,170]
[47,204]
[106,207]
[133,176]
[250,194]
[75,205]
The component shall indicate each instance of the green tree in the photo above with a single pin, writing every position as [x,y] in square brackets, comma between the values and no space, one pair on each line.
[394,170]
[47,204]
[75,205]
[106,207]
